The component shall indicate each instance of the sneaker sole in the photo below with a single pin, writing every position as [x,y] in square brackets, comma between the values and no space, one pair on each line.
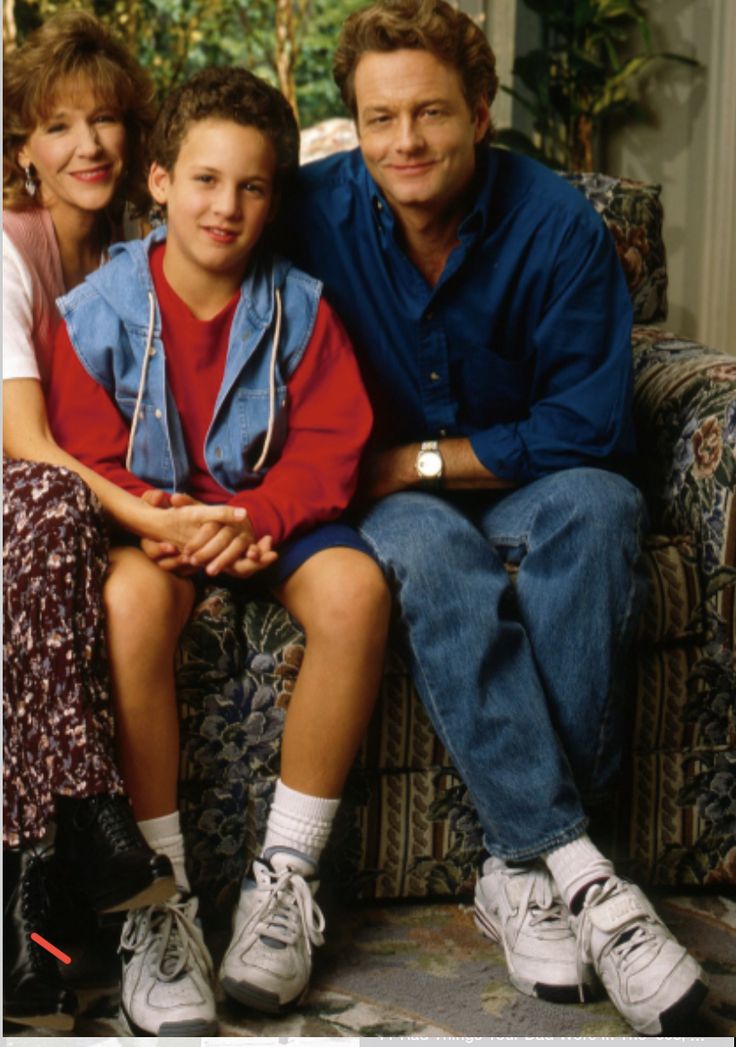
[160,890]
[259,999]
[671,1021]
[541,990]
[193,1027]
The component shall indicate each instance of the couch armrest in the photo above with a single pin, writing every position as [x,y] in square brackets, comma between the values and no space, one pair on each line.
[685,412]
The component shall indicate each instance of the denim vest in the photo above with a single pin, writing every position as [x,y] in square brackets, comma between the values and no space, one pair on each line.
[114,324]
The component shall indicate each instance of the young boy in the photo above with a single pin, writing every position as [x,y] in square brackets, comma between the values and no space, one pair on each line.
[197,362]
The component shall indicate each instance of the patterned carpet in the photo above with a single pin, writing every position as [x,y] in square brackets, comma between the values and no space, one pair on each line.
[422,970]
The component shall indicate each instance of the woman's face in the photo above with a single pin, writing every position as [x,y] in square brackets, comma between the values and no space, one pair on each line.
[78,153]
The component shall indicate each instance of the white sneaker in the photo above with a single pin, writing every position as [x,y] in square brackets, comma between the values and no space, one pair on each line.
[167,972]
[651,979]
[268,962]
[519,907]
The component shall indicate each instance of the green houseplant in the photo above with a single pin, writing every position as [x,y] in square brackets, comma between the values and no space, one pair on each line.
[587,69]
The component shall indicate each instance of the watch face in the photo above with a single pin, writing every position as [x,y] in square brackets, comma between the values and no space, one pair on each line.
[429,465]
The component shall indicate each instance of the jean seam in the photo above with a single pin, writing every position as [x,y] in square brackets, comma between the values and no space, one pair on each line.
[428,691]
[624,633]
[556,839]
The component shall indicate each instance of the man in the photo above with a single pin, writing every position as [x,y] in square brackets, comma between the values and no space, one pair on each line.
[493,323]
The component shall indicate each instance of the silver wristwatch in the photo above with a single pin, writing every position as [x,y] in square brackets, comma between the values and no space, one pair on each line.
[429,464]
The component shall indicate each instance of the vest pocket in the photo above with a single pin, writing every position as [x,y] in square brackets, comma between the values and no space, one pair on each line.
[150,460]
[253,408]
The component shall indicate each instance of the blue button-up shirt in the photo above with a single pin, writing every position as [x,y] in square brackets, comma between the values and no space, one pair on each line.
[523,344]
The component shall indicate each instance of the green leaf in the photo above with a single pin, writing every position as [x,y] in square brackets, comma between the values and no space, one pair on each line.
[670,56]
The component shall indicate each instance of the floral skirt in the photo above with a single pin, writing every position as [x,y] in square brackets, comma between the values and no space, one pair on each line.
[57,713]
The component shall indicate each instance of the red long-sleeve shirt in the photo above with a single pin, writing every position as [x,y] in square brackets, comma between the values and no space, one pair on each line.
[329,416]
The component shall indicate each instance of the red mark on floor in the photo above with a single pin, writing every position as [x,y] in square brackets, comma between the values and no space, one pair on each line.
[50,948]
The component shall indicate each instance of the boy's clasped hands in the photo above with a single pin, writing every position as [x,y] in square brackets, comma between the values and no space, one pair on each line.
[194,536]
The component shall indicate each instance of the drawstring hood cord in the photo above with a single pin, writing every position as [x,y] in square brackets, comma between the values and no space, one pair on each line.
[271,382]
[271,386]
[142,384]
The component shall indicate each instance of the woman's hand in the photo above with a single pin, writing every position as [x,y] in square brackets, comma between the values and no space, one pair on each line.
[179,521]
[217,538]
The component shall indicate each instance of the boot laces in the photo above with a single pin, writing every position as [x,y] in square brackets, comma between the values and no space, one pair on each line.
[35,904]
[171,934]
[287,909]
[118,829]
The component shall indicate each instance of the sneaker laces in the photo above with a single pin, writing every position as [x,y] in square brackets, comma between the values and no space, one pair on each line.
[635,933]
[287,909]
[538,898]
[175,936]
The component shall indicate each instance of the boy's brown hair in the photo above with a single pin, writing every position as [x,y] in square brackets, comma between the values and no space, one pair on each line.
[70,48]
[421,25]
[227,93]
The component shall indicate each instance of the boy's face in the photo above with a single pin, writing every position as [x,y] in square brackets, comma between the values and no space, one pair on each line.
[219,196]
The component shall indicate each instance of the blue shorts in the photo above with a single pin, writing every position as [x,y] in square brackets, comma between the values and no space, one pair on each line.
[292,554]
[297,551]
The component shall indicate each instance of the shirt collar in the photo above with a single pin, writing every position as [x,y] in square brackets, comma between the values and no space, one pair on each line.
[476,221]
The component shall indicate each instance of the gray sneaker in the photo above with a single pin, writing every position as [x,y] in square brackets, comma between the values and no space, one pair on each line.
[518,907]
[268,963]
[651,979]
[167,972]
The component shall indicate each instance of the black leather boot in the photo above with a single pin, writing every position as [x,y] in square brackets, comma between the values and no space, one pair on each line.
[33,992]
[101,851]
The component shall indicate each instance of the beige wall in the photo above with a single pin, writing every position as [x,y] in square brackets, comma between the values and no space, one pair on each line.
[691,151]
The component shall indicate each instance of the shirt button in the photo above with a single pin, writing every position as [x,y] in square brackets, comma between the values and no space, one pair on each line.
[429,315]
[434,377]
[158,412]
[152,352]
[218,452]
[379,205]
[443,432]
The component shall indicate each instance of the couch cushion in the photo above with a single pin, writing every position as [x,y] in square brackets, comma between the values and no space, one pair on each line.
[633,212]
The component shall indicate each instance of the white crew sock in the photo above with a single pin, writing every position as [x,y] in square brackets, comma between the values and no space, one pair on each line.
[576,865]
[299,821]
[163,835]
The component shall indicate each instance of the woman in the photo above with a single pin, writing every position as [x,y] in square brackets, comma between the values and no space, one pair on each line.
[76,111]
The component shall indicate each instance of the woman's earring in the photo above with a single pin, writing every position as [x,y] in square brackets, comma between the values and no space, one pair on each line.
[30,184]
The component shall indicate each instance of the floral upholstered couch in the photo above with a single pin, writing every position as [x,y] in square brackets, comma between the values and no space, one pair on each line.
[406,826]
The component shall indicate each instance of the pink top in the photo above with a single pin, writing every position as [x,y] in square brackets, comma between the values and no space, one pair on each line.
[32,281]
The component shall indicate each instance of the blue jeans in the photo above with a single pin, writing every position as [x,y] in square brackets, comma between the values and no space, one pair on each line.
[523,680]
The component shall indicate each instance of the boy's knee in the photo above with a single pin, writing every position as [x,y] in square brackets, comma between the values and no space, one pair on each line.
[138,595]
[351,598]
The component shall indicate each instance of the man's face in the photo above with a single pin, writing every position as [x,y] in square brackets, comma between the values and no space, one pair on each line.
[417,132]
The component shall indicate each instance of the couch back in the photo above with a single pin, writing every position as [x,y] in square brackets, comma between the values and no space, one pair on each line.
[633,212]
